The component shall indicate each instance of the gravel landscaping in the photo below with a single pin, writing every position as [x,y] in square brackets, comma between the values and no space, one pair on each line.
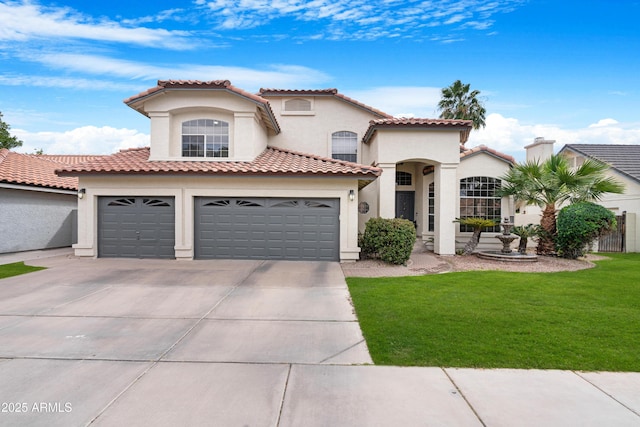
[426,262]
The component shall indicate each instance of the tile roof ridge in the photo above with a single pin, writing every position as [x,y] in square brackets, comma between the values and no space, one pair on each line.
[210,84]
[482,147]
[331,91]
[307,155]
[361,104]
[418,120]
[125,150]
[318,157]
[4,153]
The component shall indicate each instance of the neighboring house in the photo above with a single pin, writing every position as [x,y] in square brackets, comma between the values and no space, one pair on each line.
[282,174]
[37,207]
[624,163]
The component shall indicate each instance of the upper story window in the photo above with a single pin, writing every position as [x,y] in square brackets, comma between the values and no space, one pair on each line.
[205,138]
[344,146]
[297,104]
[479,198]
[403,178]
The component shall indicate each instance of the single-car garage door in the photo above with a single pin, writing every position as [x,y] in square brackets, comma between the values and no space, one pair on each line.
[136,227]
[267,228]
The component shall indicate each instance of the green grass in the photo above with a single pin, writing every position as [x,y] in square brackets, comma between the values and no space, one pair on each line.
[584,320]
[15,269]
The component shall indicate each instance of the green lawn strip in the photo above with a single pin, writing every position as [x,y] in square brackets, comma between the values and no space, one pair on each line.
[584,320]
[16,269]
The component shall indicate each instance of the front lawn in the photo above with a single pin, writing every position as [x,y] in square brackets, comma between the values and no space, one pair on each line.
[16,268]
[584,320]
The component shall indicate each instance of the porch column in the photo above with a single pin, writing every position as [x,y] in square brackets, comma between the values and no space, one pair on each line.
[446,195]
[387,191]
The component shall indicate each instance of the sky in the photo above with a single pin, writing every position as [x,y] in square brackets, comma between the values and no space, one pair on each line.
[565,70]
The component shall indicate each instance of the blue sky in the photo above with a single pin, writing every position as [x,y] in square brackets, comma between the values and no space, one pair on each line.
[566,70]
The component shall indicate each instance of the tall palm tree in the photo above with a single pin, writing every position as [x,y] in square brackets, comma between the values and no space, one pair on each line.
[458,102]
[554,182]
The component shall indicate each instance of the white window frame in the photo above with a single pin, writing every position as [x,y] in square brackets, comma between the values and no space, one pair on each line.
[209,132]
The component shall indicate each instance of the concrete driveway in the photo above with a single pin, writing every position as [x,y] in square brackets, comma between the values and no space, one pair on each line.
[245,343]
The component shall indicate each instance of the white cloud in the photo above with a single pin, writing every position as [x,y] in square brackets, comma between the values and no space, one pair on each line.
[83,140]
[23,21]
[275,75]
[603,123]
[510,136]
[416,101]
[67,83]
[360,19]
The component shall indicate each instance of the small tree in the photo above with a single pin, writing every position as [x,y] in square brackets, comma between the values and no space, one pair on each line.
[478,224]
[578,225]
[6,139]
[525,232]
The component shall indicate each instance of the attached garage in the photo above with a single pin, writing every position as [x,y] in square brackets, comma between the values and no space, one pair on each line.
[136,227]
[267,228]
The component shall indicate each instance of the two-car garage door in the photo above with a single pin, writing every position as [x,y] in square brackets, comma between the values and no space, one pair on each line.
[225,227]
[267,228]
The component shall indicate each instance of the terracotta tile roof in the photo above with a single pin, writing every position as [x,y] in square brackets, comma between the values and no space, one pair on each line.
[390,123]
[69,159]
[38,170]
[322,92]
[623,158]
[272,161]
[225,85]
[484,149]
[287,92]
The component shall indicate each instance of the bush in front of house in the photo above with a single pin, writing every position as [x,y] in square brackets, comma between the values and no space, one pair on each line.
[390,240]
[580,224]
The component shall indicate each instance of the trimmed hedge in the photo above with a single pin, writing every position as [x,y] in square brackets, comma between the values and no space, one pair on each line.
[578,225]
[391,240]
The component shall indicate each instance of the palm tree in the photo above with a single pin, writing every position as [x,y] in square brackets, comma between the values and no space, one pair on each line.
[554,182]
[458,103]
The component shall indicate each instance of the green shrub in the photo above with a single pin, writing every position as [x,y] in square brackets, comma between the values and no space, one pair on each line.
[578,225]
[391,240]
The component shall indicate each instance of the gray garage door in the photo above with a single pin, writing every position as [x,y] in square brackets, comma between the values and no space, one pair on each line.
[267,228]
[136,227]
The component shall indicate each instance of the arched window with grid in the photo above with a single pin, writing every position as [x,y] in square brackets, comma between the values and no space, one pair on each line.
[479,199]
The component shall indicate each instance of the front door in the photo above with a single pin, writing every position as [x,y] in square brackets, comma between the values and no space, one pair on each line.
[405,205]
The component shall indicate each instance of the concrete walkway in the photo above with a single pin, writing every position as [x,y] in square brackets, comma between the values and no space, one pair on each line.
[234,343]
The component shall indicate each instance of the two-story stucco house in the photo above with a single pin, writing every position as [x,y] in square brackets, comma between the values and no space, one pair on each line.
[282,174]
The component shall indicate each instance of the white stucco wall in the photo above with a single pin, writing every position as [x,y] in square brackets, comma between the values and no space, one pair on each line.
[185,189]
[247,134]
[310,132]
[35,220]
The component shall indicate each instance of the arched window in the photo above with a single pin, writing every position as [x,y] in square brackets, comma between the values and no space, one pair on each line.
[297,104]
[403,178]
[344,146]
[479,199]
[205,138]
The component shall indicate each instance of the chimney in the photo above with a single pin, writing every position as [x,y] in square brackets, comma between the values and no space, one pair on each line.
[540,150]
